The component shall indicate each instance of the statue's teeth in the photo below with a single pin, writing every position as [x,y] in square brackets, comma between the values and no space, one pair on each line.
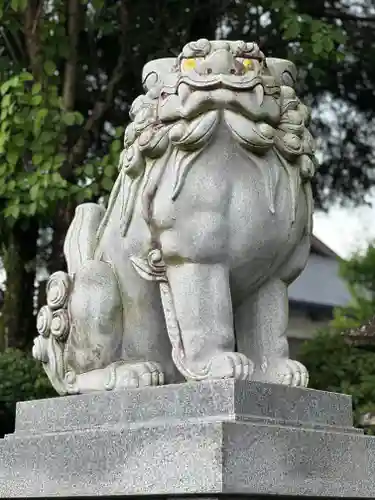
[259,92]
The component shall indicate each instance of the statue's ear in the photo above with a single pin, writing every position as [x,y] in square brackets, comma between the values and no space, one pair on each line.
[284,71]
[154,71]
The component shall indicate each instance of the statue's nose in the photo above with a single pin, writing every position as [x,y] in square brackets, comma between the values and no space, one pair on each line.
[220,62]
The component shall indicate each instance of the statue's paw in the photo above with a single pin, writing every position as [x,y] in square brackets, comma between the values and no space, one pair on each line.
[292,373]
[143,374]
[231,365]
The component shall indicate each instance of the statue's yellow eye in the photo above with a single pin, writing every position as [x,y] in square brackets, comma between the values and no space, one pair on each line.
[188,64]
[247,64]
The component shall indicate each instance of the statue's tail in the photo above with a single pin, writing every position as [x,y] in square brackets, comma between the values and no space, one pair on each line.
[54,322]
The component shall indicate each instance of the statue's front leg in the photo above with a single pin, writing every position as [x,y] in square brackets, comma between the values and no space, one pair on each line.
[261,323]
[203,309]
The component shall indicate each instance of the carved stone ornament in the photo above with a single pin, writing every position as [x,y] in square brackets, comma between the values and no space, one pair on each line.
[185,274]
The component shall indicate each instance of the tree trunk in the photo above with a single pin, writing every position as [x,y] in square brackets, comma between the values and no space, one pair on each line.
[204,23]
[63,217]
[18,319]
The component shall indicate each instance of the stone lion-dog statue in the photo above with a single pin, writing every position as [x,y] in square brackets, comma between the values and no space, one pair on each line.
[184,275]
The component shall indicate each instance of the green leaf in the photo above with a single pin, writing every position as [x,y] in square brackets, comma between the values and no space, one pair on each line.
[37,159]
[119,132]
[26,77]
[43,203]
[18,119]
[14,4]
[116,146]
[6,100]
[110,171]
[4,133]
[316,26]
[12,211]
[89,170]
[36,100]
[69,118]
[41,114]
[317,47]
[54,101]
[32,208]
[49,68]
[5,87]
[328,44]
[49,149]
[56,178]
[81,196]
[39,120]
[58,160]
[107,184]
[79,118]
[19,140]
[12,157]
[98,4]
[34,192]
[36,88]
[292,29]
[46,136]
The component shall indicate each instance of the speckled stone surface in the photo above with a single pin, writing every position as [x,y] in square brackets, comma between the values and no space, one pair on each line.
[225,399]
[211,438]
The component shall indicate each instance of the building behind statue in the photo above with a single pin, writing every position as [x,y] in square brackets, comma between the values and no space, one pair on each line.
[314,295]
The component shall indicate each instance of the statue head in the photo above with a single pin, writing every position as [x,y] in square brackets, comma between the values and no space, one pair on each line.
[211,83]
[234,65]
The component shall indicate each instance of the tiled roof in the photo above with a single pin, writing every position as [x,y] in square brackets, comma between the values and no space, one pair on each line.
[320,283]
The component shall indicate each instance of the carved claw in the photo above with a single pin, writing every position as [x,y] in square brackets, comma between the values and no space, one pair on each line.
[119,375]
[137,375]
[292,373]
[231,365]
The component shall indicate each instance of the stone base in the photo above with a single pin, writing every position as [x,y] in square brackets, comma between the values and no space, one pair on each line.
[219,437]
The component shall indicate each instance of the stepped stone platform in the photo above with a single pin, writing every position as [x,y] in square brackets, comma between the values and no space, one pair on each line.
[221,438]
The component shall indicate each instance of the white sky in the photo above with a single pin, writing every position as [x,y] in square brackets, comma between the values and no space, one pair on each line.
[346,230]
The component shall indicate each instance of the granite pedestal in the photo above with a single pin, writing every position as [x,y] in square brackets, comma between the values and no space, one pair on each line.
[218,438]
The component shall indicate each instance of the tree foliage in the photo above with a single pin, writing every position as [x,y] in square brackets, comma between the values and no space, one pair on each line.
[359,274]
[334,363]
[69,70]
[21,379]
[337,367]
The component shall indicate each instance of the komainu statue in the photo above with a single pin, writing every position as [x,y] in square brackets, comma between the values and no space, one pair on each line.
[185,274]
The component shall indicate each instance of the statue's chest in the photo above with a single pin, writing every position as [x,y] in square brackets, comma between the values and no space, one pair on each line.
[223,180]
[238,204]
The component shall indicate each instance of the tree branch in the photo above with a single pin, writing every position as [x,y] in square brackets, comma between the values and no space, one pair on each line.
[70,73]
[346,16]
[93,123]
[320,11]
[32,16]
